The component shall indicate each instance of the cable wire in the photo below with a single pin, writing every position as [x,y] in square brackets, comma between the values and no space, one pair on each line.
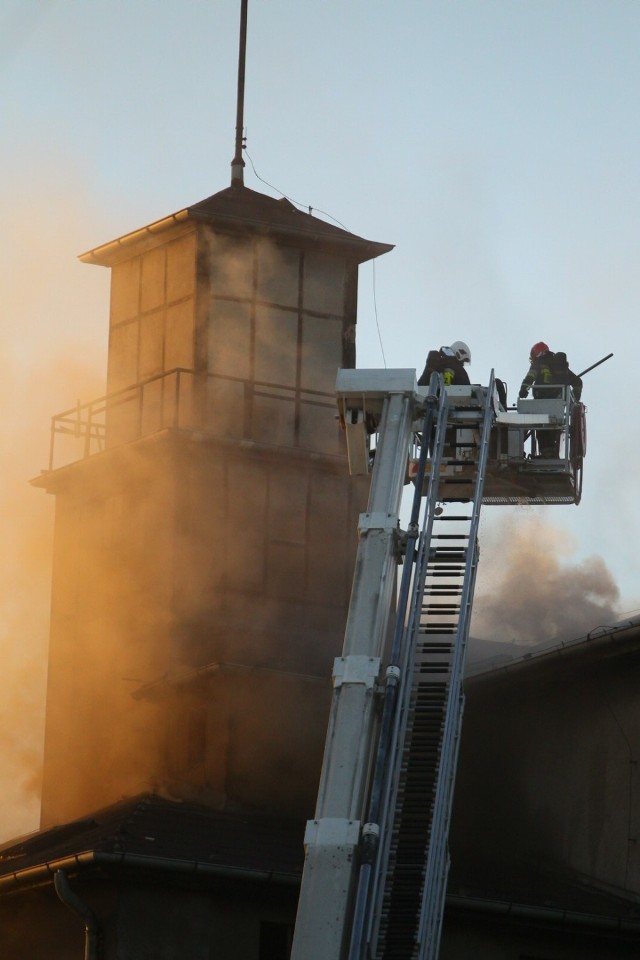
[298,203]
[375,313]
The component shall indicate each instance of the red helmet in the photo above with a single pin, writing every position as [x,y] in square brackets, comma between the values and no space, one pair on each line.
[538,349]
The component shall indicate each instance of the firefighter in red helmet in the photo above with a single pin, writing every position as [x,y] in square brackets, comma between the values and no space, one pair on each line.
[548,374]
[540,372]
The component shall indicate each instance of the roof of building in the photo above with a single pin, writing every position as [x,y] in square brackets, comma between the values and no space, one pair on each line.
[505,660]
[238,209]
[191,841]
[150,831]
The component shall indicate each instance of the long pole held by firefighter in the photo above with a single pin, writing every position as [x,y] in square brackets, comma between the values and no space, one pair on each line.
[593,365]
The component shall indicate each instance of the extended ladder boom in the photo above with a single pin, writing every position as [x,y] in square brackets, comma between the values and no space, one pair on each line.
[376,852]
[406,910]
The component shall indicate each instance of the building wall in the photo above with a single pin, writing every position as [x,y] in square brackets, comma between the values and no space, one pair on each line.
[152,330]
[487,938]
[152,316]
[548,772]
[151,918]
[167,917]
[172,556]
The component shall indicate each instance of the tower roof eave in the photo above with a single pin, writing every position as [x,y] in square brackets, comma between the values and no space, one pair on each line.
[238,209]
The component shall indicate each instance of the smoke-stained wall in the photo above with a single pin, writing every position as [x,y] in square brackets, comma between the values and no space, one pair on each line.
[548,775]
[148,920]
[208,548]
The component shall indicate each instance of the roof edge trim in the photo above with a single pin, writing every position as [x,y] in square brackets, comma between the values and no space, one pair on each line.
[608,637]
[107,252]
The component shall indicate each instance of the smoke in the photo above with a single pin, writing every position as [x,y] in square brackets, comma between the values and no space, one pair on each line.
[135,606]
[53,348]
[530,591]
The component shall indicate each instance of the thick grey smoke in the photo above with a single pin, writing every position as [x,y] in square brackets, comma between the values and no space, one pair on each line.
[530,591]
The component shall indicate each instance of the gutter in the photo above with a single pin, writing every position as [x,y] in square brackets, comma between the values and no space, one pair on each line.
[45,872]
[589,922]
[109,252]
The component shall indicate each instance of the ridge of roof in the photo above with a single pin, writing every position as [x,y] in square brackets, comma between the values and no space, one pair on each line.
[241,203]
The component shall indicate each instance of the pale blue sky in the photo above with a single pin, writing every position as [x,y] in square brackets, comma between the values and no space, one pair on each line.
[495,142]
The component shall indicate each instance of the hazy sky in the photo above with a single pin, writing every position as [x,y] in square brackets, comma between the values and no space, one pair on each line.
[494,142]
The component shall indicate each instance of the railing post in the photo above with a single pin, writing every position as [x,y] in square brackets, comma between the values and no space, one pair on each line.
[87,437]
[51,442]
[140,409]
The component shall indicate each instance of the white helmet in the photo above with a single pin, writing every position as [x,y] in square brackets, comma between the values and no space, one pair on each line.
[461,351]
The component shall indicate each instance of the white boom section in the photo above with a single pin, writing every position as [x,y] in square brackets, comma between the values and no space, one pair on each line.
[322,924]
[377,861]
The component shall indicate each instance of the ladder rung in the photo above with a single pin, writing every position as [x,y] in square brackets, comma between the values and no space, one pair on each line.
[460,517]
[450,536]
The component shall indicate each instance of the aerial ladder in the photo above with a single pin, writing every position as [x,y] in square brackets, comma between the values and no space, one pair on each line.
[376,852]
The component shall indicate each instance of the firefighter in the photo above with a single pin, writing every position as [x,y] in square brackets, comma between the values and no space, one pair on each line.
[449,361]
[548,374]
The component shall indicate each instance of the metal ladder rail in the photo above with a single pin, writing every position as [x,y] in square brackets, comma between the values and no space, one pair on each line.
[397,675]
[419,750]
[438,863]
[427,762]
[408,640]
[447,561]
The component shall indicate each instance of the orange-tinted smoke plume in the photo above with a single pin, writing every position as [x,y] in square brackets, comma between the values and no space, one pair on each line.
[53,344]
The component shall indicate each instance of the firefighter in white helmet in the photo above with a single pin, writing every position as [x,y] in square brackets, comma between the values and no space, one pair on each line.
[449,361]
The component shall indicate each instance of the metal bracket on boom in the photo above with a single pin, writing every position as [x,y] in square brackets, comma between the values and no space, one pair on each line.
[332,831]
[386,522]
[356,668]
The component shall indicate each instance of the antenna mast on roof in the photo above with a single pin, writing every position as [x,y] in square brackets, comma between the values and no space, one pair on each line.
[237,164]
